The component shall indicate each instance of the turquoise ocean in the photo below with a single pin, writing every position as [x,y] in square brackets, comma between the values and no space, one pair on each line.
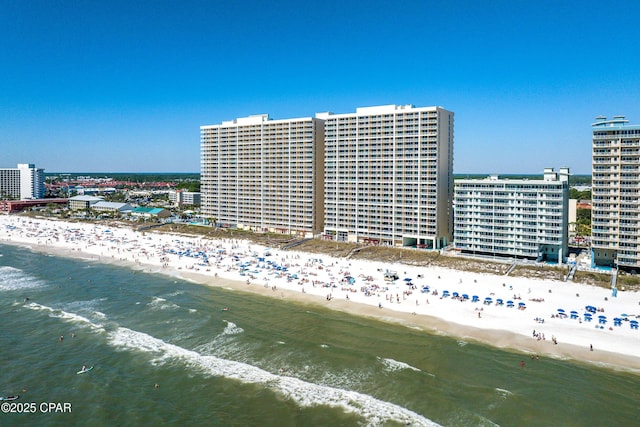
[263,362]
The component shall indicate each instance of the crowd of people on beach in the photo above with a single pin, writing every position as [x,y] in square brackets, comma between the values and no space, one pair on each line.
[353,280]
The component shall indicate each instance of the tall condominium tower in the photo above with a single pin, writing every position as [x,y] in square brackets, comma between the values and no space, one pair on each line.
[389,176]
[517,218]
[264,175]
[24,182]
[615,190]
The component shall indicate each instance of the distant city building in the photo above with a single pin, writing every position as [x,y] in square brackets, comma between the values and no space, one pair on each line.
[388,176]
[581,187]
[517,218]
[92,191]
[23,183]
[264,175]
[615,215]
[181,197]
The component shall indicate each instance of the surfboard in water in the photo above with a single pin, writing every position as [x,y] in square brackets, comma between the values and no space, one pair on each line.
[84,370]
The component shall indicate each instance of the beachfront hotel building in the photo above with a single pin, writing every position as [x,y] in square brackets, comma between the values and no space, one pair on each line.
[26,182]
[388,176]
[615,214]
[264,175]
[518,218]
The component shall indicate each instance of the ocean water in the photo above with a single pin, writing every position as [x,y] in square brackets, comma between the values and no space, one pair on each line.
[263,362]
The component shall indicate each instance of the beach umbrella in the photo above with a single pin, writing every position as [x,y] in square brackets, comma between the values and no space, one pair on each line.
[521,304]
[560,310]
[407,279]
[602,316]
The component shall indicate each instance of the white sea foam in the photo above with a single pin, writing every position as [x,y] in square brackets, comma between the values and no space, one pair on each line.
[232,329]
[65,315]
[374,411]
[12,279]
[158,303]
[394,365]
[175,294]
[502,392]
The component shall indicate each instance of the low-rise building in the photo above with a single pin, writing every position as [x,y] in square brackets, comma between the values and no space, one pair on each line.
[103,206]
[12,206]
[77,203]
[181,197]
[144,212]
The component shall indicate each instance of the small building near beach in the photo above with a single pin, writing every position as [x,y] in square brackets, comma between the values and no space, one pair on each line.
[77,203]
[103,206]
[145,212]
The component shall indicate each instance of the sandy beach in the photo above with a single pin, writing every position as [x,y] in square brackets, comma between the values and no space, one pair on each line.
[527,315]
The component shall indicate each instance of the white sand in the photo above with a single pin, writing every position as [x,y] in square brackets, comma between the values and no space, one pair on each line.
[320,280]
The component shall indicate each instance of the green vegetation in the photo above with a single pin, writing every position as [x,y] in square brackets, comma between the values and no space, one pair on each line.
[628,282]
[579,180]
[192,186]
[583,222]
[579,195]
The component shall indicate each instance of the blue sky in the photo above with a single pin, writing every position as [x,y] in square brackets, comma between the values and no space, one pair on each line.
[123,86]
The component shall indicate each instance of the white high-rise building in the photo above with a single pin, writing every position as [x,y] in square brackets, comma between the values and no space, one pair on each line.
[25,182]
[264,175]
[518,218]
[389,176]
[615,215]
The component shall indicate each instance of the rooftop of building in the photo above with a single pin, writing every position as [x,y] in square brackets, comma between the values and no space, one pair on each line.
[615,123]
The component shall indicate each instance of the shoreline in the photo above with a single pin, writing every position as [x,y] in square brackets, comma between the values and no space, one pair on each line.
[500,339]
[504,338]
